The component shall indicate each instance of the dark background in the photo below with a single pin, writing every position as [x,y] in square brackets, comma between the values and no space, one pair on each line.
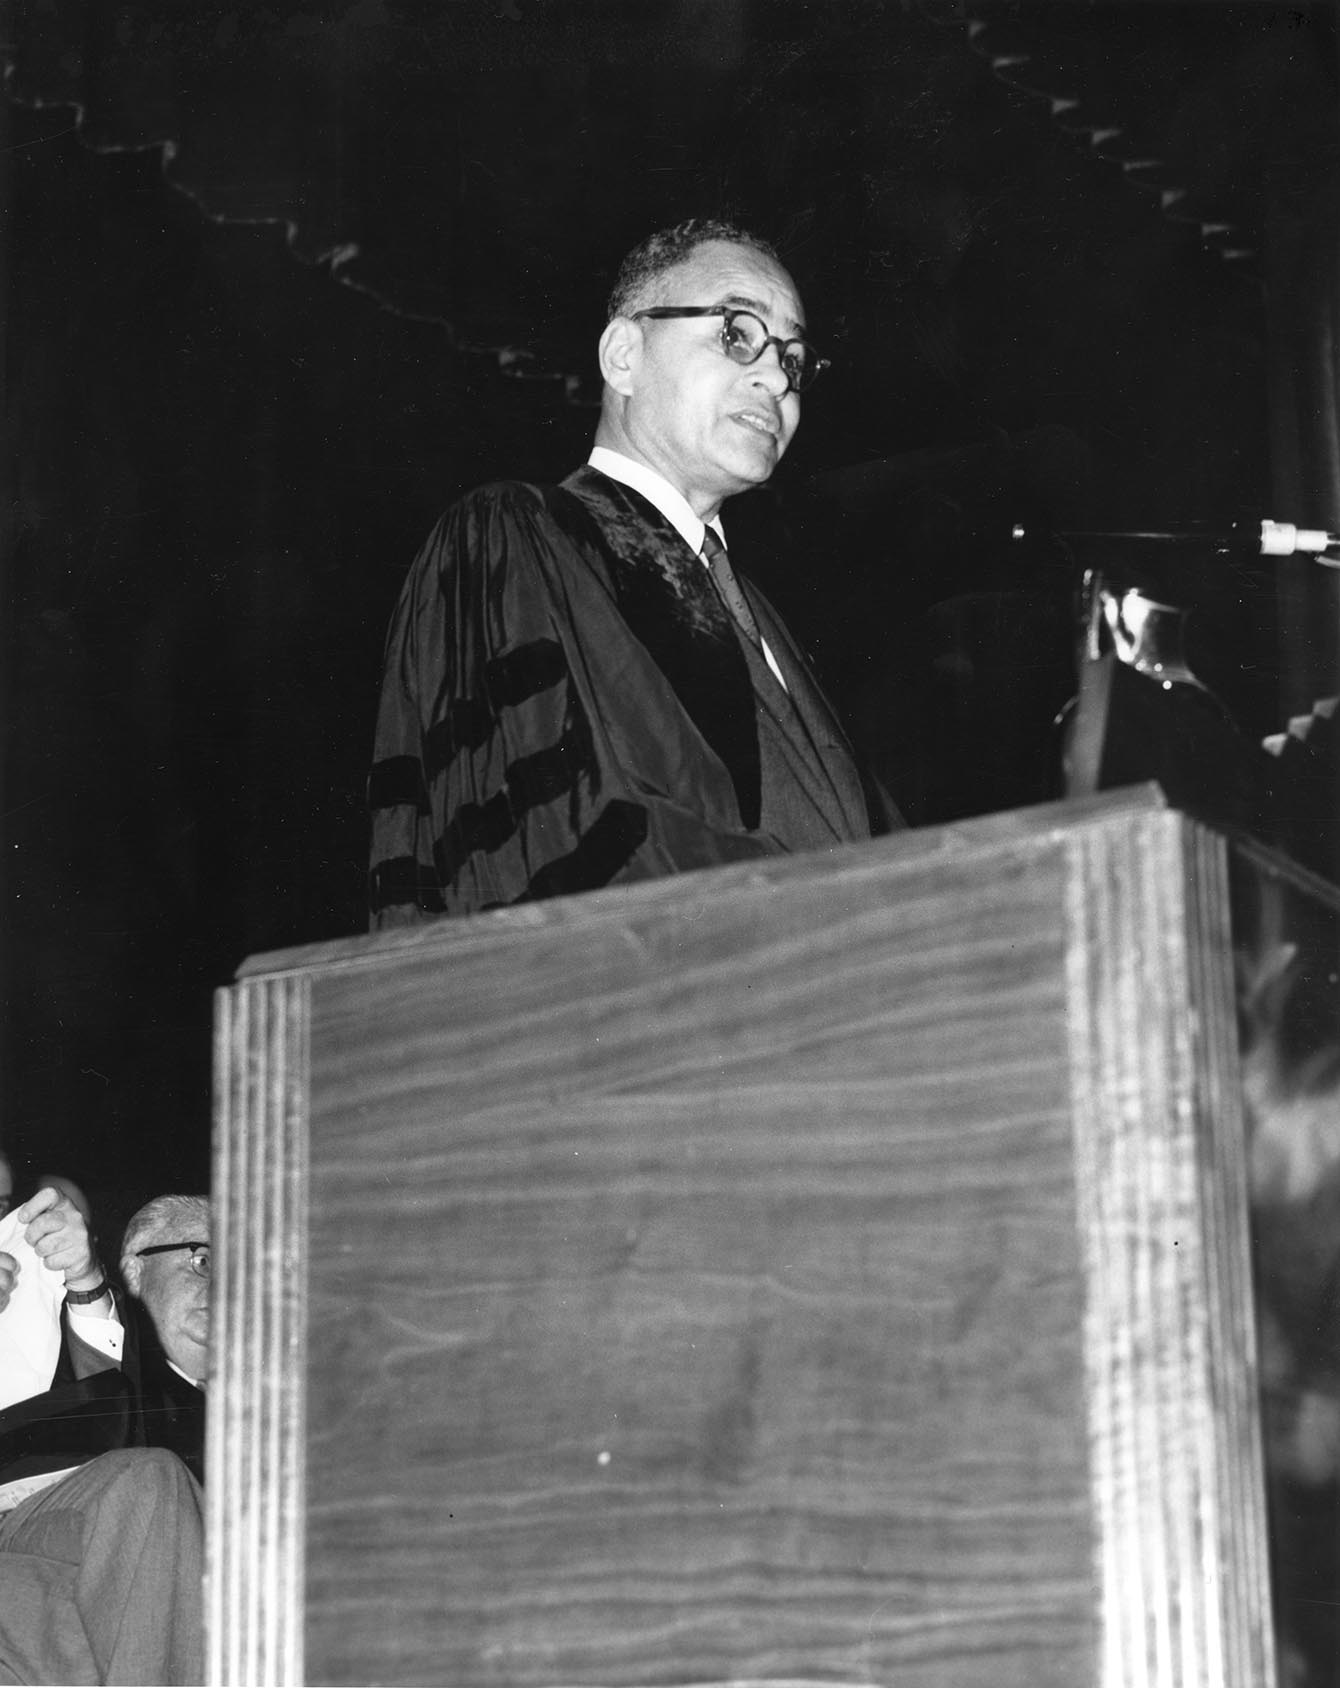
[280,282]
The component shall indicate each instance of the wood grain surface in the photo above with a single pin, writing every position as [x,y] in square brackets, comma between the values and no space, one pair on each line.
[256,1432]
[1160,1157]
[765,1276]
[710,1297]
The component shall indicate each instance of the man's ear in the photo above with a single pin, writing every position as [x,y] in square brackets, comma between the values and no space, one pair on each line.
[620,353]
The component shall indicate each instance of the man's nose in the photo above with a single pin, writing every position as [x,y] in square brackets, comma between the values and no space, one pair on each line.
[767,370]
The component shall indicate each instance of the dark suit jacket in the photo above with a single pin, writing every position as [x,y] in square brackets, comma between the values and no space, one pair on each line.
[169,1409]
[566,703]
[89,1410]
[95,1406]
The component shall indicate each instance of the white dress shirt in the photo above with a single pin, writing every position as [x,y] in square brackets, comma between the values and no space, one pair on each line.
[673,506]
[104,1333]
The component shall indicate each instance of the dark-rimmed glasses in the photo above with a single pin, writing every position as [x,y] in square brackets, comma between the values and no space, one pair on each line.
[198,1263]
[745,338]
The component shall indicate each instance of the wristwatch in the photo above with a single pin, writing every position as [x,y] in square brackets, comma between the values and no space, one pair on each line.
[86,1297]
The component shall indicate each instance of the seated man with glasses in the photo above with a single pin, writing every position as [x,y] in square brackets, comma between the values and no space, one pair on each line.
[101,1540]
[579,689]
[165,1267]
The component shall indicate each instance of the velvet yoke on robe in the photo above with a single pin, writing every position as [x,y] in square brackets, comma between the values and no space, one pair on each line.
[565,705]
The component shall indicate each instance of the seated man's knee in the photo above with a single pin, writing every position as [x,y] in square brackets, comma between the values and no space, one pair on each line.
[152,1476]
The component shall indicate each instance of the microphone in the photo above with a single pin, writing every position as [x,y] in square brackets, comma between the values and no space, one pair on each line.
[1283,539]
[1266,538]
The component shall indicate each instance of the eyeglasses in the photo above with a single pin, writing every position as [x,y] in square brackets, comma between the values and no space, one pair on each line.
[198,1263]
[744,339]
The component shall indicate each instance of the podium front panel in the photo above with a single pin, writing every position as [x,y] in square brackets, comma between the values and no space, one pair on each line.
[733,1279]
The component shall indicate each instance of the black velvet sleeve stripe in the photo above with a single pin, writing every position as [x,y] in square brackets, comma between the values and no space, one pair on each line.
[531,781]
[545,774]
[474,826]
[508,680]
[403,881]
[512,678]
[397,780]
[466,725]
[608,845]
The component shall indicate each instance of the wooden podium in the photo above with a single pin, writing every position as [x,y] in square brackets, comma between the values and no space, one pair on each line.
[833,1270]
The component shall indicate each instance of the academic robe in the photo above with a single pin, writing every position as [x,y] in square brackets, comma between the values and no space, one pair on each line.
[567,703]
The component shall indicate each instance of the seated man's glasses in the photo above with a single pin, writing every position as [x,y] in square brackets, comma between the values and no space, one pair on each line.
[198,1263]
[744,339]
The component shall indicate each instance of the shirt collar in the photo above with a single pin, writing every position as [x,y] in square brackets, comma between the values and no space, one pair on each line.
[657,490]
[195,1382]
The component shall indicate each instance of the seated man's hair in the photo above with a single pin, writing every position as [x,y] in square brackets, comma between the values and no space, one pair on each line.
[659,252]
[159,1221]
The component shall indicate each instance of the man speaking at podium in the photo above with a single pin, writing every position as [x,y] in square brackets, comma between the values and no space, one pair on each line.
[579,690]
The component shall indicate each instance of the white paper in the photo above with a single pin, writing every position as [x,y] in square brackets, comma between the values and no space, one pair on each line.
[30,1324]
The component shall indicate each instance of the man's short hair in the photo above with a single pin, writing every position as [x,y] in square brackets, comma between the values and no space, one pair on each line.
[162,1220]
[667,248]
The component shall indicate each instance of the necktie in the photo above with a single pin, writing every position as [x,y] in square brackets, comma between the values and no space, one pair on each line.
[714,553]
